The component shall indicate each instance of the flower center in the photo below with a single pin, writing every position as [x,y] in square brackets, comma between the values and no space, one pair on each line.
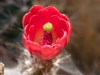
[47,38]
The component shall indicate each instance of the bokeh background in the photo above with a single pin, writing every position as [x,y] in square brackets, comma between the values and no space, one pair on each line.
[84,44]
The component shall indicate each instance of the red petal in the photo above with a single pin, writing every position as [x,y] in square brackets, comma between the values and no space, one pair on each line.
[31,32]
[35,9]
[24,40]
[46,50]
[65,17]
[42,57]
[26,19]
[69,30]
[63,40]
[57,25]
[26,30]
[53,11]
[34,46]
[55,36]
[38,23]
[65,25]
[44,13]
[57,50]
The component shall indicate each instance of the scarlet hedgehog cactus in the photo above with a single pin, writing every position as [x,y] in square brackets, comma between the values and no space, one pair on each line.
[46,31]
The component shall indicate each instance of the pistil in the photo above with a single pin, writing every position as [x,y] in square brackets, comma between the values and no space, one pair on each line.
[47,38]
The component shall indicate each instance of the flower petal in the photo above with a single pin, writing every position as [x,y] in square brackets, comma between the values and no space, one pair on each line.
[65,25]
[35,9]
[46,50]
[65,17]
[57,50]
[26,19]
[53,11]
[57,25]
[31,33]
[26,30]
[44,13]
[38,23]
[24,40]
[69,30]
[42,57]
[63,40]
[34,46]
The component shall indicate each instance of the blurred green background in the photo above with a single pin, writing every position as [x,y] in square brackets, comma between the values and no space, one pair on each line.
[84,44]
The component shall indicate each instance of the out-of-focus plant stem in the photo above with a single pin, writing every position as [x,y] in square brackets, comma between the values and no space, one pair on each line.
[46,70]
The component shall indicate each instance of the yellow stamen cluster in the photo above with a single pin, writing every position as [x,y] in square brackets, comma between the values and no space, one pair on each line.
[48,27]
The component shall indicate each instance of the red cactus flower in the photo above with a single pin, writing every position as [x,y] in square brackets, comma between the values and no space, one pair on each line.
[46,31]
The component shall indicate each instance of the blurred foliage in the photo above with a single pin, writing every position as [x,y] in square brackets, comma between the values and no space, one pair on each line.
[11,12]
[85,40]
